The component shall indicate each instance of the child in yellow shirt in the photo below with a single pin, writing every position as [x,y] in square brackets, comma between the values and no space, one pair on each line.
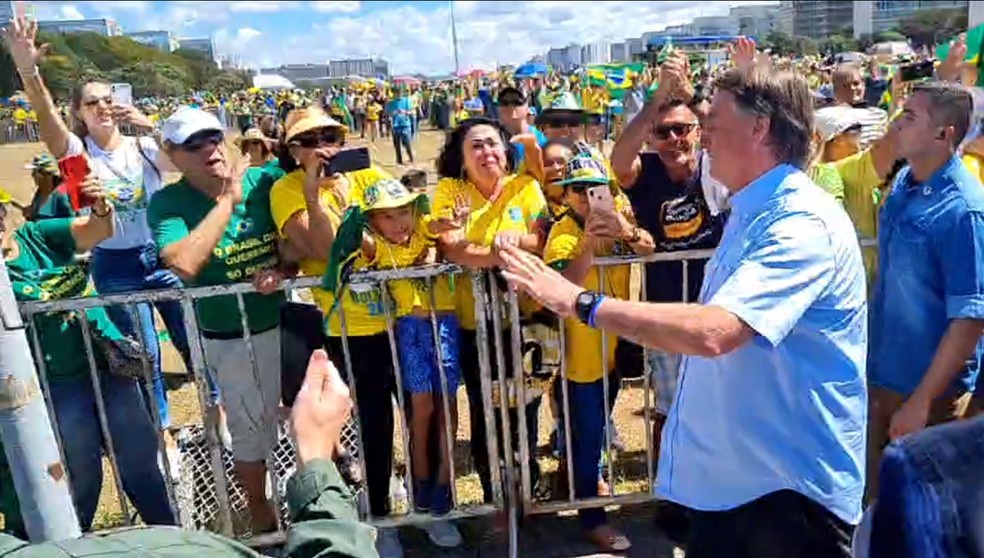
[574,241]
[398,232]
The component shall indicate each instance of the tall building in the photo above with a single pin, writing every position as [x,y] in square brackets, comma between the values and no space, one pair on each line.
[714,25]
[161,40]
[6,11]
[756,21]
[204,45]
[876,16]
[787,12]
[363,67]
[596,53]
[103,26]
[620,52]
[299,72]
[635,47]
[819,19]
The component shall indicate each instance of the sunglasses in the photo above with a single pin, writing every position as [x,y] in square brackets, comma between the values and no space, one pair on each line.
[205,138]
[313,139]
[563,123]
[96,100]
[678,130]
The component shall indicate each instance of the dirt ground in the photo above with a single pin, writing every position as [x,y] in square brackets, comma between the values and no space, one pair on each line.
[629,466]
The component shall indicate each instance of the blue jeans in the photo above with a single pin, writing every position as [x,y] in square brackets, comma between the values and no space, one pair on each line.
[930,498]
[402,136]
[134,441]
[587,405]
[136,269]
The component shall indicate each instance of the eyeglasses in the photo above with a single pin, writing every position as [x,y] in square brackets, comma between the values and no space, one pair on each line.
[563,123]
[108,99]
[678,130]
[315,138]
[198,140]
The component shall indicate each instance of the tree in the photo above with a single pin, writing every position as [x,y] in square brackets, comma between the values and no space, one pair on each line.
[929,27]
[805,45]
[889,36]
[836,44]
[781,43]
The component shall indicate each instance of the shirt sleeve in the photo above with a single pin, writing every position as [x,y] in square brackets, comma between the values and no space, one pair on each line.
[56,234]
[858,174]
[534,204]
[961,250]
[167,224]
[286,200]
[563,245]
[785,268]
[444,192]
[75,145]
[323,519]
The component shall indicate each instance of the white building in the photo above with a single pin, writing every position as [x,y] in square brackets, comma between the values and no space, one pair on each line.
[756,21]
[635,47]
[161,40]
[204,45]
[363,67]
[875,16]
[596,53]
[620,52]
[104,26]
[714,25]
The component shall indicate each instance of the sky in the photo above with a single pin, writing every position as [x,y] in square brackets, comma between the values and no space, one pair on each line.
[414,36]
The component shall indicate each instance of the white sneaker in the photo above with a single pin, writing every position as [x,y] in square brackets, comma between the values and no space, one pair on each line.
[388,543]
[443,534]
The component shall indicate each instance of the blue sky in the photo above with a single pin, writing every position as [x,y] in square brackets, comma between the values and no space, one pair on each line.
[413,36]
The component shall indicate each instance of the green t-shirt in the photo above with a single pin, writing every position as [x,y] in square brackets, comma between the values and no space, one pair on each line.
[56,206]
[46,269]
[249,245]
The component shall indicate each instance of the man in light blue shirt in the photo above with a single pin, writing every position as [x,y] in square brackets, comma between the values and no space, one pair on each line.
[927,310]
[765,441]
[400,110]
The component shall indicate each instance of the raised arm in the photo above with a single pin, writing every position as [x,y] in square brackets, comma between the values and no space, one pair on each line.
[20,37]
[89,230]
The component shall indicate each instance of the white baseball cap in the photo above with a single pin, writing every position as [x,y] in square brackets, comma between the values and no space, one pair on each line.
[834,121]
[187,121]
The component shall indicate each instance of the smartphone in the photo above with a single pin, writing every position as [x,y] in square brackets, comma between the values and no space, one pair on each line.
[74,169]
[348,160]
[122,94]
[600,199]
[917,71]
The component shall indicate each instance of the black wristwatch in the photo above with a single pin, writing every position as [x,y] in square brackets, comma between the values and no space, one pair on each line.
[584,304]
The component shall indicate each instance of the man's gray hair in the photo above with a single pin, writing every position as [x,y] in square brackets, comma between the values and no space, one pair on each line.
[785,99]
[950,104]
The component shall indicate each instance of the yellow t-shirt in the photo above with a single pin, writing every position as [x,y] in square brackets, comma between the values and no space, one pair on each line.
[20,115]
[974,164]
[411,295]
[372,112]
[584,344]
[861,181]
[516,209]
[363,305]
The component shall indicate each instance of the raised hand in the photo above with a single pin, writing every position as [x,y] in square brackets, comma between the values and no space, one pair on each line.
[21,36]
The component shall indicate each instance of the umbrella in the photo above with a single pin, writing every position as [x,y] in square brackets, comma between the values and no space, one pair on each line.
[409,80]
[531,69]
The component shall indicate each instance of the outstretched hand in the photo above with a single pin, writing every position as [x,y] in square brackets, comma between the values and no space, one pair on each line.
[321,409]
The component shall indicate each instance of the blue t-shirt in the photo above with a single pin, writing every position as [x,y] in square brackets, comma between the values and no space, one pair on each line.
[520,152]
[399,111]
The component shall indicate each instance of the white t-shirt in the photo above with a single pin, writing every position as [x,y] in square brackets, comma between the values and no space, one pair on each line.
[130,180]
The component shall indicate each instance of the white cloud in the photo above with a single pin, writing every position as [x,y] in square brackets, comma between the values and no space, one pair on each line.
[69,11]
[336,6]
[259,6]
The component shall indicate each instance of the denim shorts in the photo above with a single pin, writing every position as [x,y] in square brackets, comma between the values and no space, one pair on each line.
[419,357]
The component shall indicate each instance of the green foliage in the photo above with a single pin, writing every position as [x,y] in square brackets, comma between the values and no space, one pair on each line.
[836,44]
[79,57]
[780,43]
[889,36]
[929,27]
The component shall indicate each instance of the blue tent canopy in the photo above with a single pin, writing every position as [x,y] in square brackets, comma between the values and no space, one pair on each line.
[705,39]
[531,69]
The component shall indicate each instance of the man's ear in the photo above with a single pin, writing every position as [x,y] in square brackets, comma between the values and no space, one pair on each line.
[760,128]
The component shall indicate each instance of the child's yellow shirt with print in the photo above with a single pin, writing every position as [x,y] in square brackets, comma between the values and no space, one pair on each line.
[412,295]
[583,344]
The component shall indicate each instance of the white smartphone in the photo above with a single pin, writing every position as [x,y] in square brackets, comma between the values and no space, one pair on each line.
[122,94]
[600,199]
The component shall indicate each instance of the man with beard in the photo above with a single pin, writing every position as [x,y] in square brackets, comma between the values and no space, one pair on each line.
[674,198]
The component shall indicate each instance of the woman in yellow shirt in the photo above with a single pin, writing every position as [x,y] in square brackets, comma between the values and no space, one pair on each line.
[397,232]
[580,235]
[476,168]
[373,110]
[307,208]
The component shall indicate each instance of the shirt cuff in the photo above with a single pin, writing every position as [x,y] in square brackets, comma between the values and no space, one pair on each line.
[965,307]
[305,487]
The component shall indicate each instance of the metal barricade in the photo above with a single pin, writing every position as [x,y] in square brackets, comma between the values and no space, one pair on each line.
[206,494]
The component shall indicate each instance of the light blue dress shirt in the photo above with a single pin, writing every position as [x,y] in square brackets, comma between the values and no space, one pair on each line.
[931,271]
[786,410]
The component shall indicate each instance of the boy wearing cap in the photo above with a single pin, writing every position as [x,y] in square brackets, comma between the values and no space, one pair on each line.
[213,227]
[580,235]
[48,202]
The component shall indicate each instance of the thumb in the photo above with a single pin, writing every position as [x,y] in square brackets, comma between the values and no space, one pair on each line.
[42,51]
[318,372]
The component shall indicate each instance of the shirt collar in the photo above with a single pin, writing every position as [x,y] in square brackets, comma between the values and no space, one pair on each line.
[750,198]
[937,180]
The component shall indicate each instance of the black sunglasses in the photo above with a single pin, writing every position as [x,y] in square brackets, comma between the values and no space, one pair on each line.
[563,122]
[201,139]
[315,138]
[95,101]
[678,130]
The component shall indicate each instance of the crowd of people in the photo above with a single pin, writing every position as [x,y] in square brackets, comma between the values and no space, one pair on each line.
[783,365]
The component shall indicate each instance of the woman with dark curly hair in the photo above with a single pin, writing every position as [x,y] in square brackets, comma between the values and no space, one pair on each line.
[477,170]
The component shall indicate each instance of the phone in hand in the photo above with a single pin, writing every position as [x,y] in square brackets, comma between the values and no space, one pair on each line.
[917,71]
[74,169]
[348,160]
[600,199]
[122,94]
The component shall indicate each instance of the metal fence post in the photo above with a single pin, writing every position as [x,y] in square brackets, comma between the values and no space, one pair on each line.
[28,440]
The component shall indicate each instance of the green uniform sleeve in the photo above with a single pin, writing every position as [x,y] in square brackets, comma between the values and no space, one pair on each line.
[55,234]
[323,519]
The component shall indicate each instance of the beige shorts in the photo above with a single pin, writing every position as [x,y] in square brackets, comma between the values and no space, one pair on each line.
[251,400]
